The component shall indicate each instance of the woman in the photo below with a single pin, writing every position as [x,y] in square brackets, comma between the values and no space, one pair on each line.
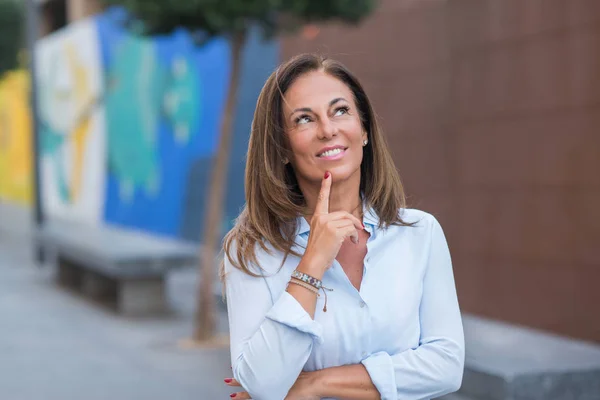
[334,289]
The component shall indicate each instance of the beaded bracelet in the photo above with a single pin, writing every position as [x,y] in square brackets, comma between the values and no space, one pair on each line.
[307,279]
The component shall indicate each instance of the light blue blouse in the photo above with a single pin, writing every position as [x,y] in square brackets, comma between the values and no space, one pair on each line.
[404,324]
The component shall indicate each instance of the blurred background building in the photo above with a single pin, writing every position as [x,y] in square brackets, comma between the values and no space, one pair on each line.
[491,109]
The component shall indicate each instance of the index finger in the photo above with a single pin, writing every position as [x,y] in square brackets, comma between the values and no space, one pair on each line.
[322,206]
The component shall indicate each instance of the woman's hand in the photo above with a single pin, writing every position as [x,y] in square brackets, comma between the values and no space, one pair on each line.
[305,388]
[329,230]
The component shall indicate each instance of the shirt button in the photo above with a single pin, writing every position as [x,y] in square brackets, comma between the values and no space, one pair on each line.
[362,304]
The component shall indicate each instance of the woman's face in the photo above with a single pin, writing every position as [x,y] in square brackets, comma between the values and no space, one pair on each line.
[324,128]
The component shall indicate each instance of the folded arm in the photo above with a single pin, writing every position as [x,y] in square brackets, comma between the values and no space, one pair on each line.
[348,382]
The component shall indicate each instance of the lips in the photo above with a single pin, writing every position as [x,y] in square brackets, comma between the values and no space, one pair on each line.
[331,151]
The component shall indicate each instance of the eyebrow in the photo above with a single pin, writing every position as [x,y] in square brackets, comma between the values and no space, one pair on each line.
[308,109]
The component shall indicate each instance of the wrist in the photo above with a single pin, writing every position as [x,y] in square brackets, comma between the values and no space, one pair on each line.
[312,266]
[319,382]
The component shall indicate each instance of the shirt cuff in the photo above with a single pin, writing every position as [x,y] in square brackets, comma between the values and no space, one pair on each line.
[289,312]
[381,370]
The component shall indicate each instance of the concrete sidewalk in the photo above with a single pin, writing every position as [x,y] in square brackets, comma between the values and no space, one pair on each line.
[54,345]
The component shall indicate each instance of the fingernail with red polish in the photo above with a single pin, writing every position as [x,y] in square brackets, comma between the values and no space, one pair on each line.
[232,395]
[327,174]
[228,380]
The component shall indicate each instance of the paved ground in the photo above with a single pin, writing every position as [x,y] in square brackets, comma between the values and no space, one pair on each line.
[56,346]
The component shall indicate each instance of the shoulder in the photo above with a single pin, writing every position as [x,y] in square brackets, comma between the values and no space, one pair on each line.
[420,219]
[267,259]
[418,225]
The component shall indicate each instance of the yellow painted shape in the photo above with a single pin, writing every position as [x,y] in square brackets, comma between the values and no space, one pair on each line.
[15,138]
[81,126]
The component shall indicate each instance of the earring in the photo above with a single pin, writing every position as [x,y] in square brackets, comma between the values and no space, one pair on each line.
[285,161]
[365,142]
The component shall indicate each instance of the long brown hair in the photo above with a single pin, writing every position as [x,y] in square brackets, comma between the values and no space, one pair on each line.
[273,197]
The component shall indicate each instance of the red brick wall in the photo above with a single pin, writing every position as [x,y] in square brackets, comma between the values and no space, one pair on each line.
[492,110]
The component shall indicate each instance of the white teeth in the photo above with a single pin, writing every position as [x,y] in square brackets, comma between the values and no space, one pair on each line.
[329,153]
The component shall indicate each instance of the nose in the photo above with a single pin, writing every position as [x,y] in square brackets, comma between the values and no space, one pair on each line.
[327,129]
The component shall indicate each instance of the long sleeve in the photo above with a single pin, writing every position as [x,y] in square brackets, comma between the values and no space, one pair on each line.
[271,334]
[435,367]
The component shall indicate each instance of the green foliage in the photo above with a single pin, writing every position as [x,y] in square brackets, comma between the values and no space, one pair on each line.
[349,11]
[12,25]
[226,17]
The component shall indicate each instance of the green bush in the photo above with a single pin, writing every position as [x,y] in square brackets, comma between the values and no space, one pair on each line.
[225,17]
[12,19]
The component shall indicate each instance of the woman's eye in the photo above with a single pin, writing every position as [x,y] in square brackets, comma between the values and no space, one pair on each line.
[341,111]
[302,119]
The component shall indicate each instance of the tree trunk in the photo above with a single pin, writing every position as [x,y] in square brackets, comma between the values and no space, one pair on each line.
[205,322]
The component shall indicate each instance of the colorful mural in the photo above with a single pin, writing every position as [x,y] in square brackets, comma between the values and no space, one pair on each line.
[15,138]
[129,125]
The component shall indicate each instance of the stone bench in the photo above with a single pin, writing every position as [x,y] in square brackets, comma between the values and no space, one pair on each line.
[122,268]
[509,362]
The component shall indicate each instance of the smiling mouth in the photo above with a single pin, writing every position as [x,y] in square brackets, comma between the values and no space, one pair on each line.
[331,153]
